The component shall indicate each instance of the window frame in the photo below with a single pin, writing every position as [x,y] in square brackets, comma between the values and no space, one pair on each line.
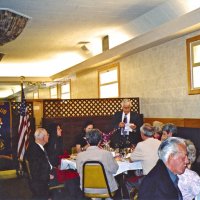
[55,86]
[190,43]
[105,69]
[36,94]
[68,82]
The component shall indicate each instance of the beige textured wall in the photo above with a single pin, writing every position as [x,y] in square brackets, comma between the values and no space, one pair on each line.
[38,112]
[159,77]
[85,85]
[44,93]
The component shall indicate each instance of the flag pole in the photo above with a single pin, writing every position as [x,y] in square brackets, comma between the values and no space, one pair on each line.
[23,129]
[21,171]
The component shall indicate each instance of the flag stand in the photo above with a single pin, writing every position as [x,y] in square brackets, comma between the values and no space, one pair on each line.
[20,171]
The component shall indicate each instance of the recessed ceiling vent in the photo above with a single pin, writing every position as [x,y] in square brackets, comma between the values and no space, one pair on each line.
[83,46]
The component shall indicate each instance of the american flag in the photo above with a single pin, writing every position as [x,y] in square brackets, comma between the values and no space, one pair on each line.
[24,128]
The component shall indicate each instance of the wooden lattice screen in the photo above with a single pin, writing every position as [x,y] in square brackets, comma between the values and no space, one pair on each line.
[15,108]
[85,107]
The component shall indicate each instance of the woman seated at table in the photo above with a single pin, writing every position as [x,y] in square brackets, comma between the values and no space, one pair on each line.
[157,129]
[55,146]
[55,151]
[189,181]
[81,143]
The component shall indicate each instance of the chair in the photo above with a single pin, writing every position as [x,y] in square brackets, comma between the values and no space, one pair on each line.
[59,186]
[94,178]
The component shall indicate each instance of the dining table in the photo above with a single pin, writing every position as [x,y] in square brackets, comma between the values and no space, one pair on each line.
[124,165]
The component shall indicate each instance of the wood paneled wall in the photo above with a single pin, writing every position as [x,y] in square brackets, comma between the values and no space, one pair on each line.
[180,122]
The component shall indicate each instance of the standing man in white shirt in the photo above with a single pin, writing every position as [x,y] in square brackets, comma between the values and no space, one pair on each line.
[127,124]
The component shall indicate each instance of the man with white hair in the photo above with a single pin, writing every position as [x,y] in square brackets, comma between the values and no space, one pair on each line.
[162,181]
[127,124]
[39,164]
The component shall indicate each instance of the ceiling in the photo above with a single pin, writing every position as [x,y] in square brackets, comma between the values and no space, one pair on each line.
[63,36]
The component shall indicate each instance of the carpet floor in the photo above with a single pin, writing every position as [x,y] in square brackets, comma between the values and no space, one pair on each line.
[15,189]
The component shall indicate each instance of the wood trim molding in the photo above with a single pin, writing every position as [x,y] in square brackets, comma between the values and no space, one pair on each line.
[189,49]
[181,122]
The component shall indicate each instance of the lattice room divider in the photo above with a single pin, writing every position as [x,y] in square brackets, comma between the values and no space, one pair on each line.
[85,107]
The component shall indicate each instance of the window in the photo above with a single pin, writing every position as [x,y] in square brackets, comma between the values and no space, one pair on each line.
[53,92]
[109,81]
[65,91]
[193,62]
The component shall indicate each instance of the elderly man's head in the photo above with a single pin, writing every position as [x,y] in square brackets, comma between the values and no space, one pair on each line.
[146,131]
[94,137]
[41,136]
[173,153]
[126,105]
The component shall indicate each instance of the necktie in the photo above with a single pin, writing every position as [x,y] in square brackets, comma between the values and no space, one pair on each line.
[180,197]
[125,118]
[125,121]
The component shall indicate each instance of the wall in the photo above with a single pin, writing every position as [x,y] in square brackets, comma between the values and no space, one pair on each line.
[85,85]
[38,112]
[159,77]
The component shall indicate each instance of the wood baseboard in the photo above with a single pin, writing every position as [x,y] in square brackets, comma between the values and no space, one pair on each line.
[181,122]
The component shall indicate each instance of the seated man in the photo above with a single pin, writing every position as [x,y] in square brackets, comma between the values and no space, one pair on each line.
[146,151]
[162,181]
[39,164]
[93,152]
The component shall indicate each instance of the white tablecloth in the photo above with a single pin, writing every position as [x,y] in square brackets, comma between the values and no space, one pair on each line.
[126,165]
[123,166]
[67,164]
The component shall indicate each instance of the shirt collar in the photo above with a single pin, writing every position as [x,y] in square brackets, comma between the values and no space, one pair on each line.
[128,115]
[172,175]
[40,146]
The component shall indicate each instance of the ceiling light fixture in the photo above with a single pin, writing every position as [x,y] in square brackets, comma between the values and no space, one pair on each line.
[11,25]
